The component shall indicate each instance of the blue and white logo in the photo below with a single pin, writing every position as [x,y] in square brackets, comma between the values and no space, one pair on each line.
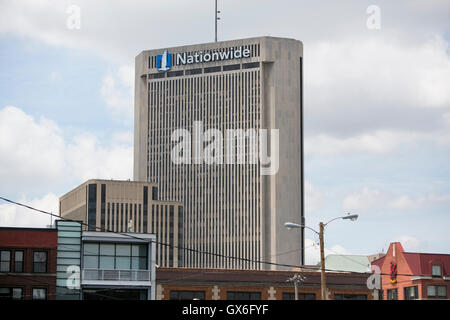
[164,61]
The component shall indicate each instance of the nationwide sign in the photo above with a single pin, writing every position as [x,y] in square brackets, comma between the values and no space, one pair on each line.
[164,61]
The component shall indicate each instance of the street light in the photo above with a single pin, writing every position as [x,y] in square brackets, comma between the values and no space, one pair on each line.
[291,225]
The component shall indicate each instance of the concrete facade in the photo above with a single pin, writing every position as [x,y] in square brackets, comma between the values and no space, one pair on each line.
[231,210]
[128,206]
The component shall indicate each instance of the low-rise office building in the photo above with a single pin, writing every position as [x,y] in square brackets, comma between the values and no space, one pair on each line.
[104,265]
[412,275]
[225,284]
[28,263]
[128,206]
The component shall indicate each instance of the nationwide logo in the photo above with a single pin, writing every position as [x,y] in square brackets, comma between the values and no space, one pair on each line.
[164,61]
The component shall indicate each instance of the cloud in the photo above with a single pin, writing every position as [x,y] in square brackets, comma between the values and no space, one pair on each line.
[313,198]
[31,150]
[410,243]
[117,92]
[374,200]
[378,143]
[89,159]
[16,216]
[37,157]
[405,202]
[364,199]
[370,95]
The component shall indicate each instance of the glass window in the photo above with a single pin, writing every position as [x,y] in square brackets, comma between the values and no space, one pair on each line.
[106,263]
[138,263]
[106,249]
[90,262]
[139,250]
[411,293]
[17,293]
[123,263]
[392,294]
[187,295]
[436,271]
[350,297]
[123,250]
[431,291]
[442,291]
[239,295]
[39,294]
[5,261]
[10,293]
[90,248]
[40,261]
[18,261]
[301,296]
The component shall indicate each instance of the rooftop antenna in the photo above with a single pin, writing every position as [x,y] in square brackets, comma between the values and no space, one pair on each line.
[215,20]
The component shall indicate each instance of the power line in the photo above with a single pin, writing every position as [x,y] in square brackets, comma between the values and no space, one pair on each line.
[178,247]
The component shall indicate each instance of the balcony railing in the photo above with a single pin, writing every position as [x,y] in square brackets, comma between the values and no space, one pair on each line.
[101,275]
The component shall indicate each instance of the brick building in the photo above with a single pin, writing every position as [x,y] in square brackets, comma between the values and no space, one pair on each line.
[411,275]
[222,284]
[28,263]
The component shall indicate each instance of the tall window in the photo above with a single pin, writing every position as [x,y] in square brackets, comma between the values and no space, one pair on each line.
[18,261]
[436,271]
[40,261]
[392,294]
[5,261]
[92,207]
[411,293]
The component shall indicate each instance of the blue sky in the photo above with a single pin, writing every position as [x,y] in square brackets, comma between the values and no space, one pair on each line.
[377,105]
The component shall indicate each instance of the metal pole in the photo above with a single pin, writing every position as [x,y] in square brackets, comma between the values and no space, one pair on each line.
[296,289]
[322,260]
[215,22]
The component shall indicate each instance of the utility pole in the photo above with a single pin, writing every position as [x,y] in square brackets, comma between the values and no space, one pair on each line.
[322,262]
[289,225]
[215,20]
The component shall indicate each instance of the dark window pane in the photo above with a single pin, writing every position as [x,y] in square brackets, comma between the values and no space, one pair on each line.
[17,293]
[212,69]
[175,73]
[194,71]
[241,295]
[39,294]
[231,67]
[18,261]
[40,261]
[5,261]
[156,75]
[92,207]
[250,65]
[187,295]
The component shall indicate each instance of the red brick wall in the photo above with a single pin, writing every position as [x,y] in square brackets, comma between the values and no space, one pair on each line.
[29,240]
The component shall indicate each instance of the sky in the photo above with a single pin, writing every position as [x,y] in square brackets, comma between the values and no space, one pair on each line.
[377,105]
